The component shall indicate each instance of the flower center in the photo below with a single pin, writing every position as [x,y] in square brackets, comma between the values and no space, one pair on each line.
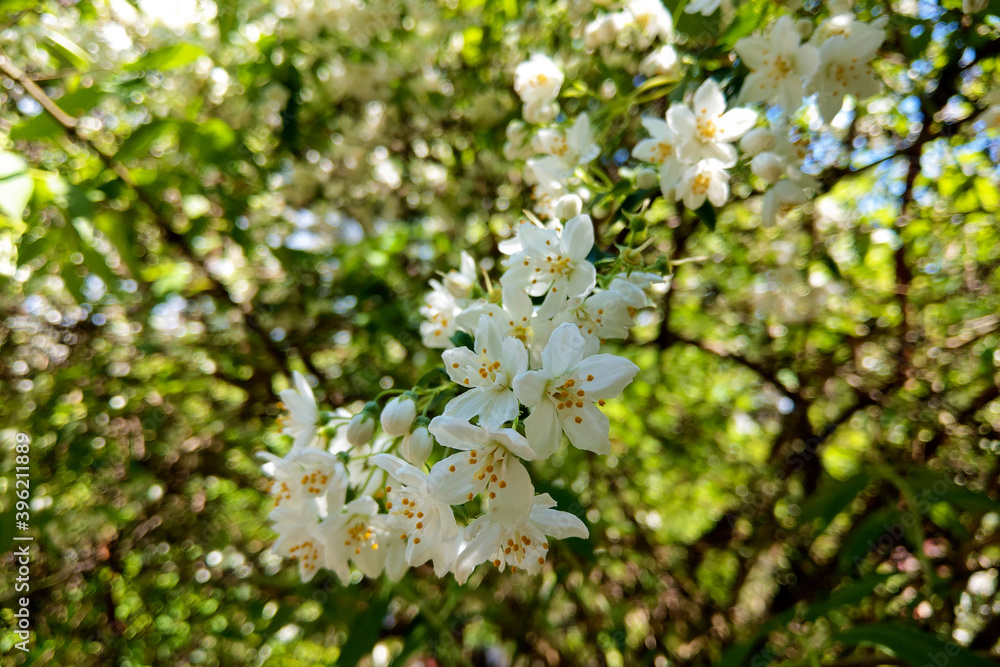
[700,184]
[360,535]
[706,129]
[307,553]
[782,68]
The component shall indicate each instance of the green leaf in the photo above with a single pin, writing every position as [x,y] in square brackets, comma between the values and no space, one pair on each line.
[706,213]
[138,143]
[832,499]
[866,534]
[167,58]
[16,185]
[911,645]
[364,632]
[44,126]
[65,50]
[850,594]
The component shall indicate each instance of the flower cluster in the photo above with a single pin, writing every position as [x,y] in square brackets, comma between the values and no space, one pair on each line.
[533,372]
[522,364]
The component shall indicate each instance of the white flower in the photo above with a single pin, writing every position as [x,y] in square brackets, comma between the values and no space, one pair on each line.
[303,414]
[661,147]
[652,20]
[538,80]
[600,316]
[709,130]
[767,166]
[552,263]
[439,310]
[307,474]
[398,415]
[488,371]
[360,429]
[358,534]
[778,64]
[516,316]
[573,147]
[444,302]
[605,29]
[704,7]
[757,140]
[695,183]
[521,544]
[845,69]
[416,446]
[564,391]
[489,462]
[661,62]
[300,538]
[420,515]
[782,195]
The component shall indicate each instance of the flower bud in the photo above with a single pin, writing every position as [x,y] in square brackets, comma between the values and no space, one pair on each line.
[839,6]
[768,167]
[647,178]
[568,206]
[516,132]
[540,112]
[757,140]
[398,415]
[416,446]
[632,256]
[360,429]
[804,27]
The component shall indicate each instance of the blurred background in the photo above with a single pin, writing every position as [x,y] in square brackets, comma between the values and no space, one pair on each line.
[803,473]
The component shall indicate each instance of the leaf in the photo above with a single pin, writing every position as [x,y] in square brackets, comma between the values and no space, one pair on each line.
[138,143]
[167,58]
[65,50]
[865,536]
[851,594]
[911,645]
[364,632]
[16,185]
[706,213]
[44,126]
[832,499]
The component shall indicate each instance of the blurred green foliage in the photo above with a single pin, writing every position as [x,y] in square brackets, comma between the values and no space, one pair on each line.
[804,472]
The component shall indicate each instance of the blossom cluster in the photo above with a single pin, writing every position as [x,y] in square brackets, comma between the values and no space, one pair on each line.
[523,359]
[535,352]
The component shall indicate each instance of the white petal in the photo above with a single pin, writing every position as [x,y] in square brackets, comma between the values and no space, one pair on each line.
[543,431]
[559,525]
[611,375]
[591,432]
[578,237]
[563,351]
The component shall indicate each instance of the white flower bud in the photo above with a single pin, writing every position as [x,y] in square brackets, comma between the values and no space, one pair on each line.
[416,447]
[768,167]
[540,112]
[804,27]
[839,6]
[592,34]
[360,429]
[647,178]
[398,415]
[757,140]
[568,206]
[516,132]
